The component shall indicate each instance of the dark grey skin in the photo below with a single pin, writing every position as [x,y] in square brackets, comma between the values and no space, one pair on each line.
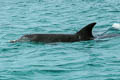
[84,34]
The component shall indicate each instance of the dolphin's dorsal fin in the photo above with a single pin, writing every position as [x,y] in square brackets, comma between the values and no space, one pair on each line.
[86,32]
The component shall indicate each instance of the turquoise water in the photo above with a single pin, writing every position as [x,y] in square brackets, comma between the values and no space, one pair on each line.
[86,60]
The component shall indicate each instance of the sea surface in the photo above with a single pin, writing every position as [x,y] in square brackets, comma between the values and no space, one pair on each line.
[85,60]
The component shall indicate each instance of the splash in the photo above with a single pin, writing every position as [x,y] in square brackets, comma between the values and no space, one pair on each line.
[116,26]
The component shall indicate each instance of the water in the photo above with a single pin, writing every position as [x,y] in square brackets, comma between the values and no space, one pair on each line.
[86,60]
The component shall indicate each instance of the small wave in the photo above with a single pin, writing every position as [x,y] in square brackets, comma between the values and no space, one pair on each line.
[116,26]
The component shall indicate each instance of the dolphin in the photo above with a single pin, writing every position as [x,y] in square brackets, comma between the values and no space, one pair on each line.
[84,34]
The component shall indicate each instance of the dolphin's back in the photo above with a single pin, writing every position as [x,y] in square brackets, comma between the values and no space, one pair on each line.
[52,37]
[84,34]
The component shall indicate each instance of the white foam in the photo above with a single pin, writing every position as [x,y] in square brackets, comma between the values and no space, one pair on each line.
[116,26]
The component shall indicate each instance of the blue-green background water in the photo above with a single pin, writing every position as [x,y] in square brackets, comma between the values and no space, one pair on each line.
[87,60]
